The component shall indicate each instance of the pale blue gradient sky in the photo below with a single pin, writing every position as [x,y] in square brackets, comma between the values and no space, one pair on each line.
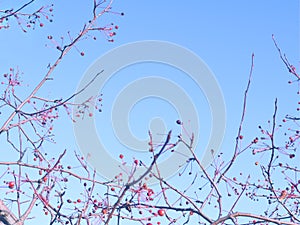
[223,33]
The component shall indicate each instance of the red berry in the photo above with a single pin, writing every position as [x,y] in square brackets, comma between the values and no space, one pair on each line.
[178,122]
[292,156]
[136,161]
[255,140]
[121,156]
[104,211]
[116,27]
[41,24]
[161,212]
[11,184]
[82,53]
[241,136]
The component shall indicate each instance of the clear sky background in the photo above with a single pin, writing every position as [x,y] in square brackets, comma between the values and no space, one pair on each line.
[224,34]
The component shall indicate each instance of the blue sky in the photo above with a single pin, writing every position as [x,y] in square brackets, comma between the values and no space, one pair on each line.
[224,34]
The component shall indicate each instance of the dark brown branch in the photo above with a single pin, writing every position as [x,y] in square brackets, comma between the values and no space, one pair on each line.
[66,100]
[18,10]
[253,216]
[284,59]
[237,139]
[130,184]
